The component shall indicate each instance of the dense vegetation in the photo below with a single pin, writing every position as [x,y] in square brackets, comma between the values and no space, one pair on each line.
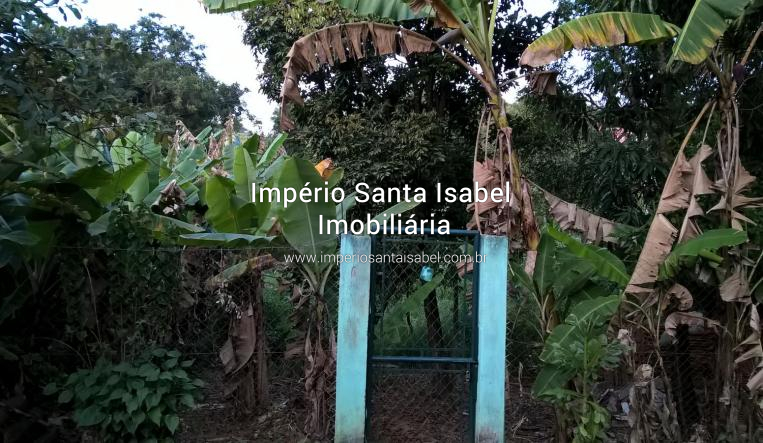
[128,224]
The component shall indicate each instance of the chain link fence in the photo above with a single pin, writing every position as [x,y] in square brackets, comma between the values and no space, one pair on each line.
[420,384]
[422,325]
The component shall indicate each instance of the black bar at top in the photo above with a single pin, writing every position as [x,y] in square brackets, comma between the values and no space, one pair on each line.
[412,359]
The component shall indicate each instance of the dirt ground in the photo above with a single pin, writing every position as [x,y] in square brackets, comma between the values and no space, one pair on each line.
[424,419]
[216,419]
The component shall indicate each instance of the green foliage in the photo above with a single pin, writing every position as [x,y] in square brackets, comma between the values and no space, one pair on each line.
[141,399]
[400,10]
[603,262]
[600,29]
[567,154]
[707,22]
[75,78]
[395,10]
[387,124]
[399,316]
[121,318]
[279,321]
[574,355]
[301,221]
[705,245]
[572,287]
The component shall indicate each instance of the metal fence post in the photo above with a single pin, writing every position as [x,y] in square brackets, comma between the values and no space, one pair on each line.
[352,340]
[491,339]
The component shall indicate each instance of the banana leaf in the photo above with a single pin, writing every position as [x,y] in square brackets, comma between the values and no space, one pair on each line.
[601,29]
[704,246]
[707,22]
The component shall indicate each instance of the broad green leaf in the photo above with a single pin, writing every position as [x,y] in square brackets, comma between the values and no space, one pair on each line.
[65,396]
[203,137]
[704,245]
[300,221]
[219,6]
[589,292]
[244,173]
[122,180]
[707,22]
[162,223]
[544,264]
[222,213]
[90,416]
[233,272]
[601,29]
[335,178]
[573,275]
[139,189]
[252,144]
[196,154]
[399,10]
[395,321]
[587,314]
[272,150]
[187,400]
[221,239]
[152,153]
[171,421]
[100,225]
[596,312]
[397,209]
[45,231]
[23,238]
[155,415]
[603,262]
[50,389]
[550,377]
[395,10]
[120,155]
[90,177]
[228,157]
[521,279]
[564,336]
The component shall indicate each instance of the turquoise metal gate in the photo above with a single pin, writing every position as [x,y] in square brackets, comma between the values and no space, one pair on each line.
[452,372]
[422,344]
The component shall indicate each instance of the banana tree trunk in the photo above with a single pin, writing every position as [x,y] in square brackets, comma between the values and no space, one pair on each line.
[511,172]
[320,370]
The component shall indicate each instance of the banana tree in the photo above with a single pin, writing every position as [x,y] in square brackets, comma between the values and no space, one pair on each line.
[578,288]
[470,24]
[239,218]
[696,43]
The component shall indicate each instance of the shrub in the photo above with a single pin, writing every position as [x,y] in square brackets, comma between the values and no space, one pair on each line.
[125,284]
[139,399]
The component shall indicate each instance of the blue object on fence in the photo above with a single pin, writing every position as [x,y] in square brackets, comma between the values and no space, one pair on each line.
[426,274]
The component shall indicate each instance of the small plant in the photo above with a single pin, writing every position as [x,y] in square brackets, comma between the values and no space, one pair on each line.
[139,400]
[575,354]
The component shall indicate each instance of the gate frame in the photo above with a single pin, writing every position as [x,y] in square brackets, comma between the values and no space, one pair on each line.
[488,350]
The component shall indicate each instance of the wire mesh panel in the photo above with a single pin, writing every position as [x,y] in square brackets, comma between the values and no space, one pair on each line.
[422,327]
